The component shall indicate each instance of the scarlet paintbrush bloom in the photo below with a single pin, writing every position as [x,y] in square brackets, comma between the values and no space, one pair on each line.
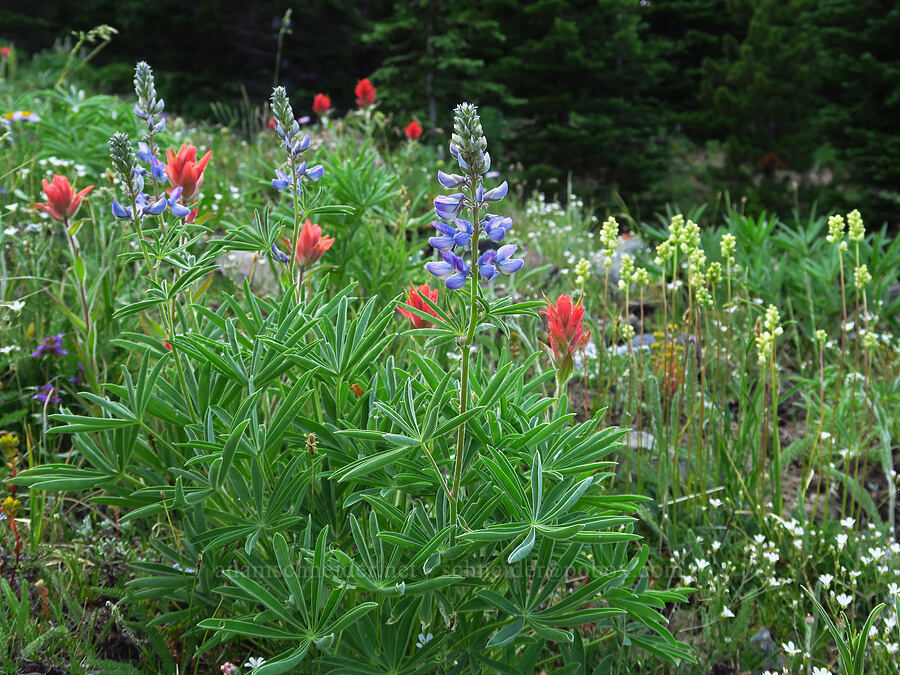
[414,299]
[321,104]
[4,51]
[413,130]
[365,93]
[185,171]
[62,200]
[311,244]
[566,334]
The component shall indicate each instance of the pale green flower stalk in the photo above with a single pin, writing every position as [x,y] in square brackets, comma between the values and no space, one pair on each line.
[765,347]
[609,239]
[856,232]
[627,276]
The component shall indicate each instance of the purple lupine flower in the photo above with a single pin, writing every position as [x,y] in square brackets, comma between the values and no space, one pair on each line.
[178,209]
[280,182]
[47,394]
[469,147]
[450,180]
[155,208]
[50,345]
[121,212]
[497,194]
[494,262]
[452,236]
[506,264]
[449,206]
[279,256]
[496,227]
[452,269]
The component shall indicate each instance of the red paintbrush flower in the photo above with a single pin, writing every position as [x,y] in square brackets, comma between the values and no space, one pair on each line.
[566,334]
[185,171]
[413,130]
[62,200]
[414,299]
[365,93]
[321,104]
[311,244]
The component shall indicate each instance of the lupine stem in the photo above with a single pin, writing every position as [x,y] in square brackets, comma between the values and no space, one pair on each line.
[464,372]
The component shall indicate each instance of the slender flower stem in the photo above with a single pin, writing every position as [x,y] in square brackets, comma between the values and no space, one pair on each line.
[464,372]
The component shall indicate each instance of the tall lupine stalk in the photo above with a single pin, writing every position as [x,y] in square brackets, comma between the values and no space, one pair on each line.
[295,145]
[468,146]
[140,205]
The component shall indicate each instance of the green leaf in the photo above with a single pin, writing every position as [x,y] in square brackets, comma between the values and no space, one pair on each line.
[507,634]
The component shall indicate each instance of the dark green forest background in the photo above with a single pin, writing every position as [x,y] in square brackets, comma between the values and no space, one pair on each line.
[780,103]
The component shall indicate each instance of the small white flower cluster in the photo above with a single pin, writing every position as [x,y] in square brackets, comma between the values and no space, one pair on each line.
[765,339]
[836,232]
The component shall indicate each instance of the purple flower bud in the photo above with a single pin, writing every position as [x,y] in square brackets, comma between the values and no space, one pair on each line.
[144,151]
[315,172]
[158,170]
[279,256]
[157,207]
[497,193]
[506,264]
[450,180]
[448,206]
[281,182]
[179,210]
[486,267]
[159,126]
[120,212]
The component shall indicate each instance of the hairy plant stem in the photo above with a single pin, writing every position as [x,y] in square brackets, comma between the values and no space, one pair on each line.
[464,368]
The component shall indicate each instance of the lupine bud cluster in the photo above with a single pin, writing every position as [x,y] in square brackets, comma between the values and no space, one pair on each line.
[855,228]
[765,339]
[469,147]
[467,143]
[148,107]
[294,144]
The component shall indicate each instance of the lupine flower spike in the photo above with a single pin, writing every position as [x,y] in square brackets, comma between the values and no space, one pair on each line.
[468,146]
[566,335]
[62,200]
[414,299]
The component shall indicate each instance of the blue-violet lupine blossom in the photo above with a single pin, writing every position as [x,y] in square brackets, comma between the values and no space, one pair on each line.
[451,236]
[179,210]
[493,261]
[279,255]
[294,144]
[469,147]
[50,345]
[452,269]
